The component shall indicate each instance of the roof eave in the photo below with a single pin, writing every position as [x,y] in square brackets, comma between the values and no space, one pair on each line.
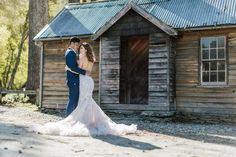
[206,27]
[37,37]
[62,38]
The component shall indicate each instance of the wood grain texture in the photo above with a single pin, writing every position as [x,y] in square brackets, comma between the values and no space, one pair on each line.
[191,96]
[55,90]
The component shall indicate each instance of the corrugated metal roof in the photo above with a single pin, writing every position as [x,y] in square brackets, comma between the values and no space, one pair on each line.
[88,18]
[195,13]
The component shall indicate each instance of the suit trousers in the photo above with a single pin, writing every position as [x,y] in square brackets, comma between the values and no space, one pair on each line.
[73,97]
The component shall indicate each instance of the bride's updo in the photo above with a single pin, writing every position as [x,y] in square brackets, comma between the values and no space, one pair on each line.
[89,54]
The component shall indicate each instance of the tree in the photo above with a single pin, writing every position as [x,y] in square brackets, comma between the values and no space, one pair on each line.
[38,18]
[55,6]
[24,35]
[14,22]
[12,15]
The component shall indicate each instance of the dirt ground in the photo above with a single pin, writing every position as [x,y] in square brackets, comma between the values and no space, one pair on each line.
[154,138]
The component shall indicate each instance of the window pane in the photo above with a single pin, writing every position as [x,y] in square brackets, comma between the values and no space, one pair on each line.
[213,54]
[221,76]
[221,53]
[205,66]
[205,77]
[213,43]
[213,59]
[213,77]
[221,65]
[221,42]
[205,43]
[205,54]
[213,65]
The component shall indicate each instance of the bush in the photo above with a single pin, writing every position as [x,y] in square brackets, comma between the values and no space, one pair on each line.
[12,98]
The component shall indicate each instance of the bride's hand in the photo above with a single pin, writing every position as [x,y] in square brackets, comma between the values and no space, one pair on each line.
[67,68]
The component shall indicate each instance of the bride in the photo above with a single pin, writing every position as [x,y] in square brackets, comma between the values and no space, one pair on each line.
[88,118]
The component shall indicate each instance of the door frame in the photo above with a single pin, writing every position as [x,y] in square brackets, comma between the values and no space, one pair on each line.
[126,56]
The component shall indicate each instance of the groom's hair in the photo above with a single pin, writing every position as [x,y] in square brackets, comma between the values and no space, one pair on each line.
[74,40]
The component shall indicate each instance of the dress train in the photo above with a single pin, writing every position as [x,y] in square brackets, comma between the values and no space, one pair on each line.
[87,119]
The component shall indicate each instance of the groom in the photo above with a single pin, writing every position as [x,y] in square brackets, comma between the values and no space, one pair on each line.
[73,80]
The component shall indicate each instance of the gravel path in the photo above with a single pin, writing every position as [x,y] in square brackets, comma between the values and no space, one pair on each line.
[155,137]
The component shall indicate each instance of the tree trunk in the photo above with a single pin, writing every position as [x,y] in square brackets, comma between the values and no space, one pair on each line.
[7,69]
[38,18]
[24,35]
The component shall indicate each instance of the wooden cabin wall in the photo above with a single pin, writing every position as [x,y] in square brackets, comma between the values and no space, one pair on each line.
[110,69]
[132,24]
[161,72]
[192,98]
[172,74]
[55,90]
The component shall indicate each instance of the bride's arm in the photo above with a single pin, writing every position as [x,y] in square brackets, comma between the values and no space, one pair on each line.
[68,69]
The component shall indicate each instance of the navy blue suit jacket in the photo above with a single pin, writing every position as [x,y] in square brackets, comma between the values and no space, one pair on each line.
[72,64]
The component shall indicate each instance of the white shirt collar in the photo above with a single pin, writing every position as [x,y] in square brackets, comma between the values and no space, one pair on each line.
[72,49]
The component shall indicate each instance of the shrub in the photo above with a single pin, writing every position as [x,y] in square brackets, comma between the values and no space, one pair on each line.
[12,98]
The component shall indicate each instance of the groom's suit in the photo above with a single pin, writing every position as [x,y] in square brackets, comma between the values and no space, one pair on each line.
[73,80]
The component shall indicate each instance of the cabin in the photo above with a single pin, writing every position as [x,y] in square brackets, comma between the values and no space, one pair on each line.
[154,57]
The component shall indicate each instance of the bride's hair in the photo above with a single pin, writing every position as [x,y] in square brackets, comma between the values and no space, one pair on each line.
[89,54]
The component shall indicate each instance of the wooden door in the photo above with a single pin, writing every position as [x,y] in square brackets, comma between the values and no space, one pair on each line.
[134,70]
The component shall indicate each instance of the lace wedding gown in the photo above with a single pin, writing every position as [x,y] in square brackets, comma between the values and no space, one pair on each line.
[87,119]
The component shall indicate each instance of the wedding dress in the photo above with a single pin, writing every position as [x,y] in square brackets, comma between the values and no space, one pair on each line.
[87,119]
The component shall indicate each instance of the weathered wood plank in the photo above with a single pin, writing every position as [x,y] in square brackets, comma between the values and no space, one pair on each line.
[132,107]
[190,96]
[109,85]
[55,90]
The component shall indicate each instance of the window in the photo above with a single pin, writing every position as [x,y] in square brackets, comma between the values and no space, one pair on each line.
[213,61]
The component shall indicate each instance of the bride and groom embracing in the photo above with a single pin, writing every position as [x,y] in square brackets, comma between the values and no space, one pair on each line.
[84,116]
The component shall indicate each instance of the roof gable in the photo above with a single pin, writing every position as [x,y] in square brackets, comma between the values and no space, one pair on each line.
[140,11]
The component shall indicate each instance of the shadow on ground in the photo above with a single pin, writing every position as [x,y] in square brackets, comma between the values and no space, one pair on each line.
[17,140]
[126,142]
[57,112]
[216,133]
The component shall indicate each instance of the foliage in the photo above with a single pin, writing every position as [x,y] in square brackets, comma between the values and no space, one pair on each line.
[55,6]
[12,20]
[13,98]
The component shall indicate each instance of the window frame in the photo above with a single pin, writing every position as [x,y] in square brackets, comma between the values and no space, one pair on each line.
[225,60]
